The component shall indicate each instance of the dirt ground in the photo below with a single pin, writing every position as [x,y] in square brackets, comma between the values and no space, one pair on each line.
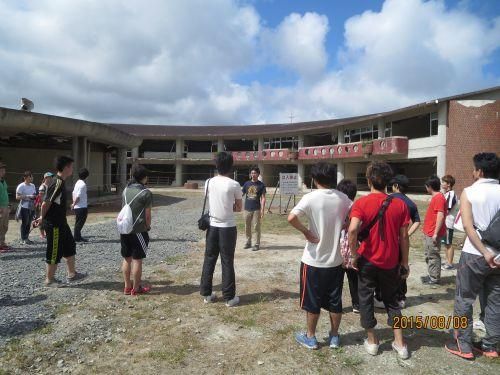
[173,331]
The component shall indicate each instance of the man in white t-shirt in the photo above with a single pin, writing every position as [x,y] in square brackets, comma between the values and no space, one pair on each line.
[26,194]
[79,204]
[477,272]
[224,199]
[447,183]
[321,273]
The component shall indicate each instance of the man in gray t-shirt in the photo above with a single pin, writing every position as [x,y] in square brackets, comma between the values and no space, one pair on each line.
[134,245]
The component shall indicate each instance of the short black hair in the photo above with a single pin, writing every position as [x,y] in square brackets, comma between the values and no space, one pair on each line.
[379,174]
[402,181]
[139,172]
[433,182]
[27,174]
[83,173]
[324,174]
[348,187]
[224,162]
[62,162]
[488,162]
[256,169]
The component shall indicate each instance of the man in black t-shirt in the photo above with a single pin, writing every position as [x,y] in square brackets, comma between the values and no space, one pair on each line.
[255,204]
[60,241]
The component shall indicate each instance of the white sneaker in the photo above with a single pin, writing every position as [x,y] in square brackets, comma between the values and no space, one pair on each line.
[402,304]
[371,349]
[210,299]
[479,325]
[378,304]
[402,352]
[233,302]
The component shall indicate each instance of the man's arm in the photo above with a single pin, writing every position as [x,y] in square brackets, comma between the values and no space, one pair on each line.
[413,228]
[468,223]
[262,205]
[238,204]
[439,224]
[147,212]
[404,247]
[352,235]
[297,224]
[45,208]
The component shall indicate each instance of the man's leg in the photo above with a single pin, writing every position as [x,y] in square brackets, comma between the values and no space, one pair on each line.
[70,265]
[126,268]
[312,322]
[492,309]
[335,319]
[25,223]
[211,255]
[136,273]
[227,242]
[248,227]
[257,227]
[4,224]
[433,258]
[51,272]
[389,286]
[52,255]
[352,278]
[367,282]
[78,224]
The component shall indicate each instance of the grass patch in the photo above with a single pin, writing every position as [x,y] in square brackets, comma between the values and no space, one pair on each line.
[172,259]
[174,357]
[287,330]
[45,330]
[248,322]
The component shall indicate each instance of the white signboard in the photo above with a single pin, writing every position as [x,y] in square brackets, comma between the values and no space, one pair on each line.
[289,183]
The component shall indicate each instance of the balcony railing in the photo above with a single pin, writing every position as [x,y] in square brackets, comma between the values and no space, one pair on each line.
[271,154]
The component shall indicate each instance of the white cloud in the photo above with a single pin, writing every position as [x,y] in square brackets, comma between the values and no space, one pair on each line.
[173,62]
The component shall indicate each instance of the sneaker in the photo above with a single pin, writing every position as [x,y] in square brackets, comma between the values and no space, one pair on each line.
[256,248]
[487,351]
[479,325]
[307,342]
[355,309]
[127,291]
[140,290]
[233,302]
[55,283]
[402,352]
[78,276]
[210,299]
[426,280]
[28,242]
[402,304]
[447,267]
[5,249]
[334,341]
[82,240]
[371,349]
[248,245]
[378,304]
[453,348]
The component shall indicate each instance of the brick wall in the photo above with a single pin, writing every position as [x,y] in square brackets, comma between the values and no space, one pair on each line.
[470,130]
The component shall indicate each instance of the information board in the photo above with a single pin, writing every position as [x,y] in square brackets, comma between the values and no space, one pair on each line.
[289,183]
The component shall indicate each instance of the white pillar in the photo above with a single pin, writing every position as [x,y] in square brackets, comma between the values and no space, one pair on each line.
[179,147]
[301,171]
[122,167]
[220,144]
[442,127]
[340,133]
[76,158]
[107,170]
[84,152]
[135,153]
[340,171]
[178,175]
[260,144]
[301,140]
[381,128]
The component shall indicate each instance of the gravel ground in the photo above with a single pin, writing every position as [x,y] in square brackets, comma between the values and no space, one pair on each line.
[26,305]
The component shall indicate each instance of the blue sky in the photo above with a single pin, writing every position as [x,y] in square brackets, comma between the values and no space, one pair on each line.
[242,61]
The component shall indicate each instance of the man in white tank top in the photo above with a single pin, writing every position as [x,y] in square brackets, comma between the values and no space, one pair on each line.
[477,270]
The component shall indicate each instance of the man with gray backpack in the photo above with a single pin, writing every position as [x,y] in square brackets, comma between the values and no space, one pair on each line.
[478,269]
[134,223]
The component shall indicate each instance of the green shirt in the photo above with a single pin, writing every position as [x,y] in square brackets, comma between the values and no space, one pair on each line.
[4,196]
[139,205]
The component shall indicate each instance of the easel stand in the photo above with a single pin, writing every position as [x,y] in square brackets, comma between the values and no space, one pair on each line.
[287,204]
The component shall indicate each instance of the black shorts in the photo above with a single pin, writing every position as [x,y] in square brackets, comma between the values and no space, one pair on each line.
[448,238]
[321,288]
[135,245]
[60,243]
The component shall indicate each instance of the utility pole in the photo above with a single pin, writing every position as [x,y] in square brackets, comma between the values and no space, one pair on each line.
[291,117]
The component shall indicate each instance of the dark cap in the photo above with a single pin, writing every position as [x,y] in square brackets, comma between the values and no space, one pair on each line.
[400,180]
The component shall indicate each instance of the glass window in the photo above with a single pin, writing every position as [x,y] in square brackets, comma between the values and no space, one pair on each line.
[434,123]
[388,129]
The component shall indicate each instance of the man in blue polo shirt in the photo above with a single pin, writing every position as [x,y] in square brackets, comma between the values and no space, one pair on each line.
[255,204]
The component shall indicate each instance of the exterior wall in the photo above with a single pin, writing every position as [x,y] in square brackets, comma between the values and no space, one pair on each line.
[473,128]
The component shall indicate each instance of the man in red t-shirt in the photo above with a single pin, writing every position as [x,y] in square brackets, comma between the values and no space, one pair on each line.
[380,223]
[434,230]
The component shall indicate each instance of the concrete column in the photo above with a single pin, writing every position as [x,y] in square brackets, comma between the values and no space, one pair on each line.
[76,158]
[442,127]
[301,171]
[220,144]
[135,153]
[340,171]
[84,152]
[262,169]
[122,167]
[178,175]
[340,133]
[301,140]
[381,128]
[107,171]
[179,148]
[260,144]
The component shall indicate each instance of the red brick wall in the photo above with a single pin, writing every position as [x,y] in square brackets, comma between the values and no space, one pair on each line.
[470,130]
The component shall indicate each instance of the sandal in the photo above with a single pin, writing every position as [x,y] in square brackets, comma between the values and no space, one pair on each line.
[127,291]
[140,290]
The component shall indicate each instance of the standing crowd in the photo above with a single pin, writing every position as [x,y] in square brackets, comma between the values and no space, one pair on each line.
[367,239]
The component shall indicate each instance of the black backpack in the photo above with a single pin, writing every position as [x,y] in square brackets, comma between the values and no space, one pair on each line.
[491,235]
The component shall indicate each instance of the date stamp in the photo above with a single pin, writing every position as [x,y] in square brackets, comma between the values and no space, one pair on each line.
[430,322]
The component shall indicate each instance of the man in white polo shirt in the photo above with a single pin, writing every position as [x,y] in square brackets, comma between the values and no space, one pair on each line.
[321,272]
[80,204]
[477,271]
